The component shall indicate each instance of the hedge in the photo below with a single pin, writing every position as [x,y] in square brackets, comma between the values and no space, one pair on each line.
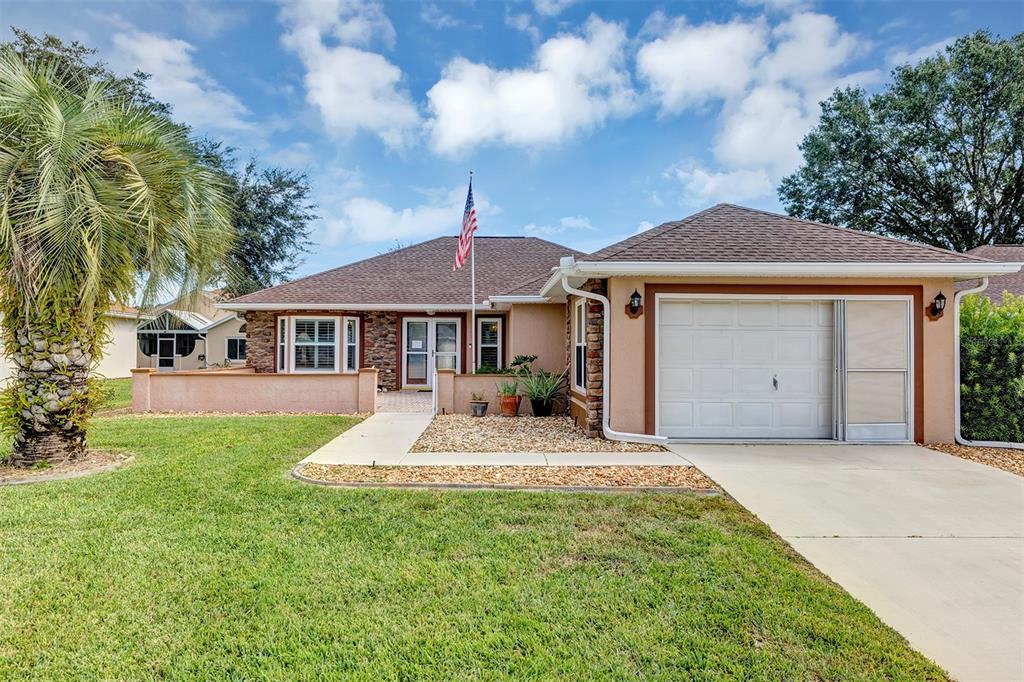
[992,368]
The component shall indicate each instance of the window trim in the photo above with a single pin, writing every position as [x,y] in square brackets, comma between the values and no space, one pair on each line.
[499,345]
[356,345]
[282,343]
[337,339]
[227,345]
[579,329]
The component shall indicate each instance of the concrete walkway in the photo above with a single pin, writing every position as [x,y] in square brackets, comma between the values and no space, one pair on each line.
[932,543]
[385,438]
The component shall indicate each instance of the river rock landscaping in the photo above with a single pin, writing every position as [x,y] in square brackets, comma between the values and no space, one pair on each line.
[463,433]
[1007,459]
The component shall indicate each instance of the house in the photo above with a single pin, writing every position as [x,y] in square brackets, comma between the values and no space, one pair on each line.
[118,353]
[732,324]
[997,286]
[191,333]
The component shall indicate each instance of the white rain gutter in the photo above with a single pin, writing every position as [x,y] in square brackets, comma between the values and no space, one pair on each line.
[609,432]
[956,375]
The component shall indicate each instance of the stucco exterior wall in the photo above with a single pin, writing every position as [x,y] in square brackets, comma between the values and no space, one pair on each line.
[627,381]
[119,355]
[538,329]
[216,341]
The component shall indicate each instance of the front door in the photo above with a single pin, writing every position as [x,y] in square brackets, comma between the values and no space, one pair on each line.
[429,344]
[165,354]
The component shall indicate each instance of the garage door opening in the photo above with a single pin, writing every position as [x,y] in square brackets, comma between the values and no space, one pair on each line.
[783,368]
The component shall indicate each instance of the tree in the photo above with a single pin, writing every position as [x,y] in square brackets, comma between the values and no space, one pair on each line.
[937,158]
[271,207]
[97,193]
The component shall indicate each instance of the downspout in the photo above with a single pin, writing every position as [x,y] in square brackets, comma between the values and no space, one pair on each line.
[956,375]
[609,432]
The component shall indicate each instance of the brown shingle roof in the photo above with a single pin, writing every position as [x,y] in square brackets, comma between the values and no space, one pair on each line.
[728,233]
[422,275]
[1005,253]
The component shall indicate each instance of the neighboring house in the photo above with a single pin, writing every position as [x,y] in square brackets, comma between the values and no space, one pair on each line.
[997,286]
[191,333]
[119,351]
[744,325]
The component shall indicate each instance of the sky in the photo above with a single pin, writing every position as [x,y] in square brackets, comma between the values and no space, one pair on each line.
[583,123]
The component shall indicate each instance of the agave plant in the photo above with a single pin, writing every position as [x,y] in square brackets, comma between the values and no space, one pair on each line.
[544,386]
[97,195]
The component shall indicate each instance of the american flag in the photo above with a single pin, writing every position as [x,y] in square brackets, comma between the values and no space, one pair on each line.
[468,228]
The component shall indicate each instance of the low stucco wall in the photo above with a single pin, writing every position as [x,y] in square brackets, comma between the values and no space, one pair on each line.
[243,390]
[628,338]
[538,329]
[455,390]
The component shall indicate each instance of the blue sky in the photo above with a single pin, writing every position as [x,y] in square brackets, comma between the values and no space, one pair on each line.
[584,122]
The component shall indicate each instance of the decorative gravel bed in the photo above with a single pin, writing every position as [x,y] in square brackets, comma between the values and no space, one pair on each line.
[94,462]
[1007,459]
[546,476]
[464,433]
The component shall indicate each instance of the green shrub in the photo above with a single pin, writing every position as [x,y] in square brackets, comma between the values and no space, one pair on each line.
[992,368]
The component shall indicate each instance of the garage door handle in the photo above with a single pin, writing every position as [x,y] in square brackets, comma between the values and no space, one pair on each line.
[775,382]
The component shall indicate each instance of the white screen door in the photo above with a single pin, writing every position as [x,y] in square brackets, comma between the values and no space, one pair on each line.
[429,344]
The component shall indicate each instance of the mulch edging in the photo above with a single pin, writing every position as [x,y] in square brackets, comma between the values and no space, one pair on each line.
[538,478]
[1007,459]
[109,461]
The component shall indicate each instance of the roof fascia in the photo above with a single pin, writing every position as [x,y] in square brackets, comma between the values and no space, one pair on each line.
[398,307]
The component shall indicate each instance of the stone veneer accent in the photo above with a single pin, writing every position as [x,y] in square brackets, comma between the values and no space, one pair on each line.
[592,421]
[379,342]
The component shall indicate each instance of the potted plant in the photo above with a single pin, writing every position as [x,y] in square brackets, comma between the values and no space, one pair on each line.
[543,389]
[478,405]
[508,392]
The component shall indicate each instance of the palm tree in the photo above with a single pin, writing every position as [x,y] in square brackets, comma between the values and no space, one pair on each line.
[96,197]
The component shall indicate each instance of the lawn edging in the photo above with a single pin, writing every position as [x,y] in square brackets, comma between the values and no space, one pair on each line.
[127,459]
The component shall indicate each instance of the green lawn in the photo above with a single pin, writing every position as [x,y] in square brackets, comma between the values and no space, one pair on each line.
[117,394]
[203,559]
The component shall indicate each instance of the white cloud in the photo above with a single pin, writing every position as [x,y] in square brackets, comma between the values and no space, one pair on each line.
[298,155]
[763,131]
[209,21]
[438,18]
[363,219]
[702,186]
[914,56]
[688,65]
[575,83]
[810,47]
[550,8]
[353,89]
[523,22]
[644,226]
[567,224]
[198,99]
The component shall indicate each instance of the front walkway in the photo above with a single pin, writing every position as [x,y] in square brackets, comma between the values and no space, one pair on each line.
[385,438]
[405,401]
[932,543]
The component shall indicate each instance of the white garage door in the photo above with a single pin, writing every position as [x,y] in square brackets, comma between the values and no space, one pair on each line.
[745,369]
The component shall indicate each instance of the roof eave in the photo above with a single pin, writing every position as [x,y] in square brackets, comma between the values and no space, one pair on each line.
[355,307]
[964,270]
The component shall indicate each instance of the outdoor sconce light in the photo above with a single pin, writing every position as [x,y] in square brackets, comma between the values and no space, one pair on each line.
[938,305]
[634,308]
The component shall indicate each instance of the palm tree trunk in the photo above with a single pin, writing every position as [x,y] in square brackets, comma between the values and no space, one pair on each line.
[50,393]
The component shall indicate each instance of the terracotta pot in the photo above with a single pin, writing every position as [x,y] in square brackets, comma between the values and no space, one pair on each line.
[510,405]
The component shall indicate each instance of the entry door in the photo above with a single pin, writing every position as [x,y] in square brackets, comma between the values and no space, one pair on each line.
[429,344]
[745,369]
[165,354]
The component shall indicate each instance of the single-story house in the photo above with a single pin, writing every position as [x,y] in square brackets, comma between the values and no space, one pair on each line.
[119,352]
[191,333]
[732,324]
[998,286]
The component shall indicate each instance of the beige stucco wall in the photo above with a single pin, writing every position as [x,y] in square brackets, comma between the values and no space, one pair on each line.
[119,354]
[538,329]
[454,392]
[627,377]
[216,340]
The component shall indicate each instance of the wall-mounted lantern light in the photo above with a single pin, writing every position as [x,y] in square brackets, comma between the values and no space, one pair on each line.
[938,305]
[634,309]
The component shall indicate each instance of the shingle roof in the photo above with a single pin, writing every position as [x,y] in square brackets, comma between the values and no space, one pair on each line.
[1005,253]
[422,275]
[728,233]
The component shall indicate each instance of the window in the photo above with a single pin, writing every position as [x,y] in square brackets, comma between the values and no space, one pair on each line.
[282,344]
[236,349]
[315,343]
[147,344]
[488,334]
[351,344]
[580,345]
[184,344]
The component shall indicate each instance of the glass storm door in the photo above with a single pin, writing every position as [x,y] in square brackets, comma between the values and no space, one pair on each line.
[429,344]
[165,354]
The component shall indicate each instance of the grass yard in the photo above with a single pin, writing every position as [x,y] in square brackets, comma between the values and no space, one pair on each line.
[117,394]
[203,559]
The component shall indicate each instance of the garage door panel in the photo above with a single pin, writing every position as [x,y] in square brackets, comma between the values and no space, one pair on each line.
[758,314]
[715,414]
[714,313]
[676,381]
[797,348]
[676,414]
[797,381]
[714,381]
[680,312]
[755,348]
[754,380]
[793,314]
[754,415]
[803,415]
[713,346]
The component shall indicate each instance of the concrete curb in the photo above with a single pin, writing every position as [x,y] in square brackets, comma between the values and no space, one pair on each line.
[47,478]
[703,492]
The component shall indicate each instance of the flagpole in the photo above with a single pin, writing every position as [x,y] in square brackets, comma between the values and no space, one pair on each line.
[472,289]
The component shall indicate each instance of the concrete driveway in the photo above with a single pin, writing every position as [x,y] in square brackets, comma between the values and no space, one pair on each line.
[932,543]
